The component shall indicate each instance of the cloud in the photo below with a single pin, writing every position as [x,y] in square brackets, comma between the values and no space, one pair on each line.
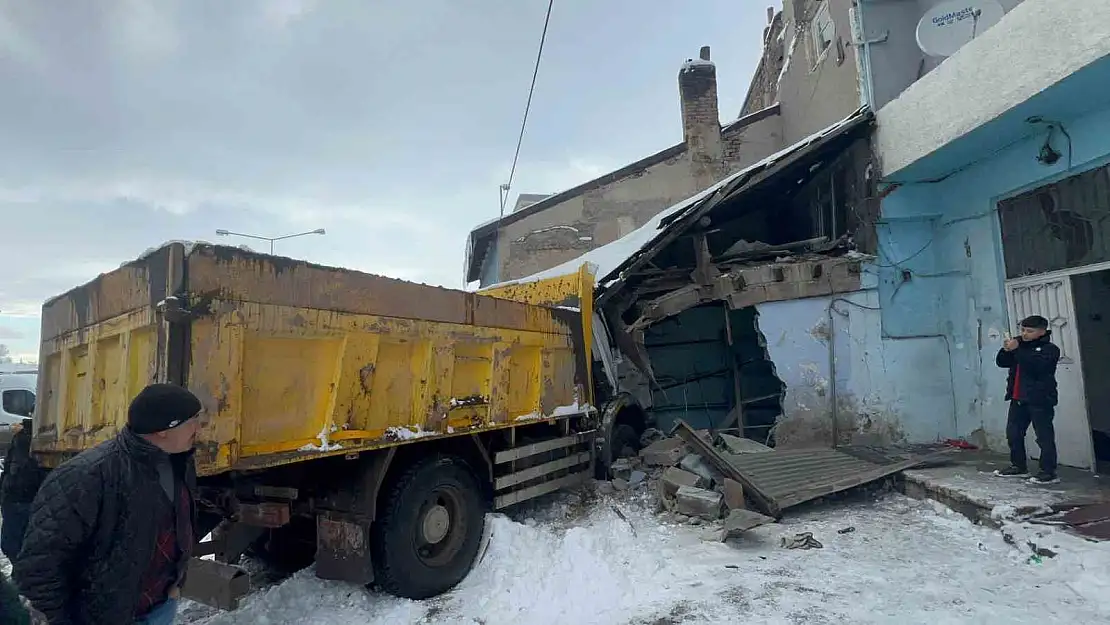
[9,333]
[130,123]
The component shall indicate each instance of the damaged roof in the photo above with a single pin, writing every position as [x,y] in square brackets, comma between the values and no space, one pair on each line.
[632,251]
[482,237]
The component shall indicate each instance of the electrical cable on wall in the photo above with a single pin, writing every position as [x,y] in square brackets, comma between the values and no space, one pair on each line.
[527,107]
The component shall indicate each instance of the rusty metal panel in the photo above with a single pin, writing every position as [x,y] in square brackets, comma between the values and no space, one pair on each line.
[294,361]
[1057,226]
[234,275]
[343,549]
[216,584]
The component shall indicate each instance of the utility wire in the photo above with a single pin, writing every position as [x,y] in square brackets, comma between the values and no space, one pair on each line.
[527,107]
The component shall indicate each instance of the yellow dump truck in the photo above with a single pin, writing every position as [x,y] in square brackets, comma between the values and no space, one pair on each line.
[362,422]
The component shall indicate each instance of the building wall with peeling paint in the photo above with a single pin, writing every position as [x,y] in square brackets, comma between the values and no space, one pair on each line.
[941,269]
[610,211]
[874,401]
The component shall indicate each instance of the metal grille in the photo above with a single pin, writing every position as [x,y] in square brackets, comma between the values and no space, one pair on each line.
[1057,226]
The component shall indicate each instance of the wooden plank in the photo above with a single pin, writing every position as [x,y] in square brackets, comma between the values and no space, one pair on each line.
[508,499]
[532,473]
[517,453]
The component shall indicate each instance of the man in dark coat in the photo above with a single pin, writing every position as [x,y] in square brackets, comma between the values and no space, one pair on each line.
[112,530]
[1031,391]
[18,485]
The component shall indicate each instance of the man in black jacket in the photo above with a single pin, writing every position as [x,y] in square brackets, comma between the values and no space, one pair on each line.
[112,530]
[1031,391]
[18,485]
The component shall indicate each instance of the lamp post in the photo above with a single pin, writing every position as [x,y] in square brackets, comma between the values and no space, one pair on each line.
[228,233]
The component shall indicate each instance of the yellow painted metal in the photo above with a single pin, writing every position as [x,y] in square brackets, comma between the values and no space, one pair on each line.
[573,291]
[283,378]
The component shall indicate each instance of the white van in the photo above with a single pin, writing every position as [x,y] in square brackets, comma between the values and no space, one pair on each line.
[17,402]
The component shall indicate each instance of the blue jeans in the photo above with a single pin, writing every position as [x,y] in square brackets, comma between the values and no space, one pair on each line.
[12,528]
[162,614]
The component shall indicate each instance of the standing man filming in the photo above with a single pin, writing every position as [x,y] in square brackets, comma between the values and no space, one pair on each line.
[1031,391]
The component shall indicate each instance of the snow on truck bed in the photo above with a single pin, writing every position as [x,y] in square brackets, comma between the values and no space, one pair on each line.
[906,562]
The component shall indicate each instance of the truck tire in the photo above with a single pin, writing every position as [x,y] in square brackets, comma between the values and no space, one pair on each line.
[429,528]
[625,442]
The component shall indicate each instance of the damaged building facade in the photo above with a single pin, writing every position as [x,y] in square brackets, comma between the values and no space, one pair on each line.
[996,206]
[842,290]
[740,306]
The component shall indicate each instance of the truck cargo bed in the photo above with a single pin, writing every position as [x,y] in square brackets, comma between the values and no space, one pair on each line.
[293,361]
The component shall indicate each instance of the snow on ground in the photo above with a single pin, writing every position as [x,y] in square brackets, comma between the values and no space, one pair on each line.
[906,562]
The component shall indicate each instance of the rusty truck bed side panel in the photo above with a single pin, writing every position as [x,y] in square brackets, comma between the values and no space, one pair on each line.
[293,361]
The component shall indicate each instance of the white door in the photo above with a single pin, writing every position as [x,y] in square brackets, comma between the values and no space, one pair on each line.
[1051,298]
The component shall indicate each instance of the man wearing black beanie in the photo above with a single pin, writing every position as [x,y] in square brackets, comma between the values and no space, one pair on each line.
[112,529]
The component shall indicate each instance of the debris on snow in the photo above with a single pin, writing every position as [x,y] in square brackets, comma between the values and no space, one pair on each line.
[664,452]
[698,502]
[801,540]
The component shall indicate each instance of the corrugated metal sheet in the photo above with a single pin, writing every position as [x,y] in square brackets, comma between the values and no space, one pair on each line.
[791,477]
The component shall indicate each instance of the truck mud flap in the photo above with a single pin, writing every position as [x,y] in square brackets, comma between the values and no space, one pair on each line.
[343,549]
[216,584]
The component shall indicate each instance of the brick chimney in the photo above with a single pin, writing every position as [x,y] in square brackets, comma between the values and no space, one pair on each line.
[701,122]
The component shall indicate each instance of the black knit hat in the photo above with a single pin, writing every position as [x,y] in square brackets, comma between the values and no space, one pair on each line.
[1034,322]
[161,407]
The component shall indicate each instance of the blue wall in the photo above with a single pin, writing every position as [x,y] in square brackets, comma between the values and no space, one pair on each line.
[885,387]
[945,238]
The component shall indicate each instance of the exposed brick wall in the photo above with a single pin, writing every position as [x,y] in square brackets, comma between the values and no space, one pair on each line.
[566,230]
[764,89]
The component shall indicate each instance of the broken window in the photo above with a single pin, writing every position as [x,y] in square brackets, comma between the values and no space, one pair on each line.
[1057,226]
[822,31]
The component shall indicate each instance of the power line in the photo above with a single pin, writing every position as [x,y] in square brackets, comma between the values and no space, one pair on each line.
[527,107]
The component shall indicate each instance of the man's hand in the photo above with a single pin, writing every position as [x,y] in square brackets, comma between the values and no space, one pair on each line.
[1010,345]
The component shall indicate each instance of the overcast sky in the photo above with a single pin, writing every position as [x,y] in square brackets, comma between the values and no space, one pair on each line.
[390,123]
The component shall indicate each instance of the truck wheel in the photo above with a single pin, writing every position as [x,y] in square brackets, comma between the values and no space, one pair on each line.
[429,529]
[626,442]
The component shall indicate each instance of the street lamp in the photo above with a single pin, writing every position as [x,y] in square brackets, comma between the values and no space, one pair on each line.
[228,233]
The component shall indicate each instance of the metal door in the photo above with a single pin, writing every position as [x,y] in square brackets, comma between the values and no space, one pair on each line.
[1051,298]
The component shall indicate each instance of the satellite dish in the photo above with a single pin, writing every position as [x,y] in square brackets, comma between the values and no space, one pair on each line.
[945,28]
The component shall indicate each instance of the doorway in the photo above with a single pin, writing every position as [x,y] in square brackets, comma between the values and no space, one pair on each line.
[1051,297]
[1091,295]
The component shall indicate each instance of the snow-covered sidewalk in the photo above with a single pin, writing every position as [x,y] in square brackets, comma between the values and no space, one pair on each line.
[906,562]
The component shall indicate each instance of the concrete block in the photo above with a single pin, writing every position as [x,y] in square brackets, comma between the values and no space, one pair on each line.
[620,485]
[737,445]
[698,466]
[663,453]
[675,478]
[740,521]
[698,502]
[733,492]
[635,478]
[621,467]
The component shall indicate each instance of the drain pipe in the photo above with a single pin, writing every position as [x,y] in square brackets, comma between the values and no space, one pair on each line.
[832,375]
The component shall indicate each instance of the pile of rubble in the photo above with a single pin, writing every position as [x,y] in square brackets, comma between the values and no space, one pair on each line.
[734,484]
[687,488]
